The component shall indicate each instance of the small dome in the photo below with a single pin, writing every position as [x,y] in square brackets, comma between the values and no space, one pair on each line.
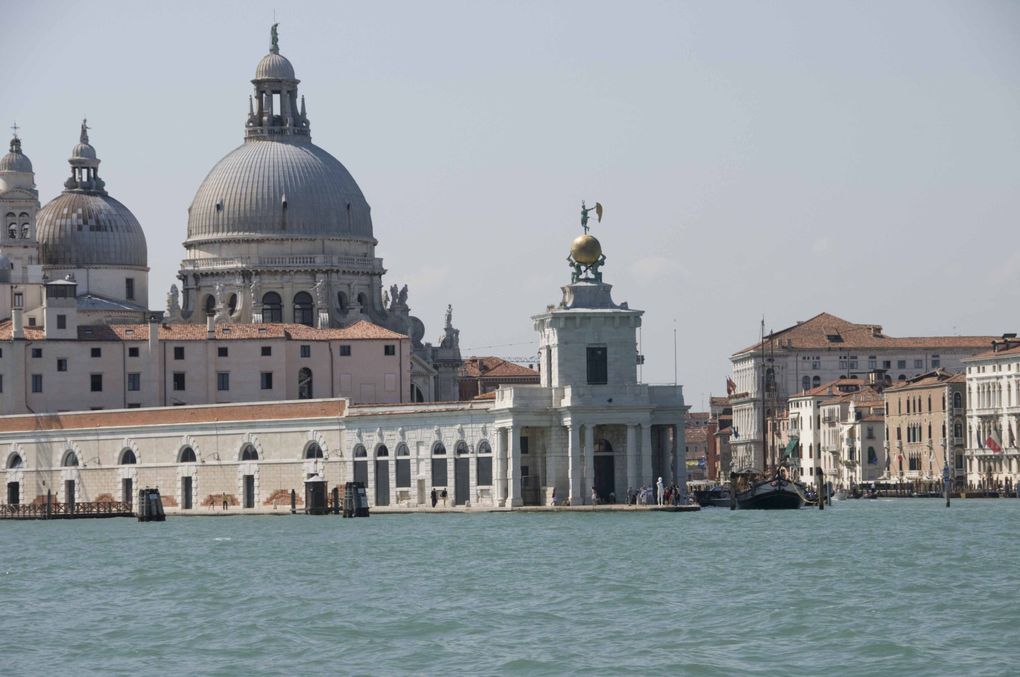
[83,151]
[15,160]
[274,66]
[89,229]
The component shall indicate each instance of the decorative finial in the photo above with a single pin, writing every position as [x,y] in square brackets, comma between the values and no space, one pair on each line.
[275,48]
[84,130]
[586,258]
[15,127]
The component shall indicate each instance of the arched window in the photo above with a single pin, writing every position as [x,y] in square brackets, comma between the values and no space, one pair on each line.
[303,308]
[12,231]
[249,453]
[313,451]
[438,449]
[602,446]
[127,457]
[403,466]
[232,304]
[872,456]
[805,383]
[187,455]
[25,231]
[958,430]
[957,400]
[70,460]
[363,300]
[461,449]
[272,307]
[210,304]
[359,452]
[382,452]
[902,377]
[816,381]
[14,461]
[341,302]
[304,383]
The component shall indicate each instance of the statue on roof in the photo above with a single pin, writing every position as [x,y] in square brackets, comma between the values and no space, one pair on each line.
[84,138]
[584,214]
[275,36]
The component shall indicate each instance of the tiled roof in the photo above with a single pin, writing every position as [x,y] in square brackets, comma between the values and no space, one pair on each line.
[832,387]
[495,367]
[184,331]
[252,411]
[932,378]
[825,331]
[696,435]
[1007,352]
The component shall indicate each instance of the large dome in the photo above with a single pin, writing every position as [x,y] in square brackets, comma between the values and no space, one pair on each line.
[279,189]
[89,229]
[274,66]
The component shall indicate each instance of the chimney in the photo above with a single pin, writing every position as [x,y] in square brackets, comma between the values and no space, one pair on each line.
[210,326]
[17,323]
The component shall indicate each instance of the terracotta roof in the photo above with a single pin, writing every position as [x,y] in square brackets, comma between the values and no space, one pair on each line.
[833,387]
[1008,352]
[696,435]
[825,331]
[252,411]
[495,367]
[185,331]
[932,378]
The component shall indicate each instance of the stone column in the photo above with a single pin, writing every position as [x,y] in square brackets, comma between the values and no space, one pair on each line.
[551,467]
[500,470]
[645,461]
[513,497]
[589,463]
[633,480]
[574,463]
[680,456]
[370,489]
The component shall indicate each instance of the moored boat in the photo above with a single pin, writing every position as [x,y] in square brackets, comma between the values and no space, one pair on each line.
[776,493]
[714,496]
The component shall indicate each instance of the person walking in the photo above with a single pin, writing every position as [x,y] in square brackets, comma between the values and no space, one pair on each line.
[434,497]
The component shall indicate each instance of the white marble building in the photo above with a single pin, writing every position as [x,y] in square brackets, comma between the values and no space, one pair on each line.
[993,415]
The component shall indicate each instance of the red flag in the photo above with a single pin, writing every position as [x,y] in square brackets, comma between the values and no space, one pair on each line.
[993,442]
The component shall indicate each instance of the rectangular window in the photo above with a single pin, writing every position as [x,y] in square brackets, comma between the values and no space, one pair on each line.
[267,380]
[134,382]
[61,321]
[389,349]
[403,472]
[97,352]
[936,362]
[129,289]
[178,352]
[222,351]
[524,445]
[36,353]
[134,405]
[484,471]
[36,383]
[97,383]
[918,364]
[267,351]
[439,472]
[306,351]
[61,364]
[1,383]
[179,380]
[901,364]
[222,381]
[872,362]
[887,364]
[132,352]
[598,365]
[19,299]
[345,351]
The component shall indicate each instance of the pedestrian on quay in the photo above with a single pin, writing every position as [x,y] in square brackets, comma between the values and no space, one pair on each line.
[443,496]
[594,496]
[224,501]
[658,491]
[434,497]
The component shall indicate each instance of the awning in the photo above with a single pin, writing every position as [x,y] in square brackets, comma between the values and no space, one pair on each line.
[788,451]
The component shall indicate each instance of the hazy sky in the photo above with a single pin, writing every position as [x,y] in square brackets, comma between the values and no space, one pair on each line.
[776,158]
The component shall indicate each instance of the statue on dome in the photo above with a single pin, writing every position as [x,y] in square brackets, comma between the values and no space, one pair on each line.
[402,296]
[173,304]
[275,36]
[584,214]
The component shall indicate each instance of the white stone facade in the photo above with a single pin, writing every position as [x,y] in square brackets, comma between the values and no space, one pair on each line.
[993,417]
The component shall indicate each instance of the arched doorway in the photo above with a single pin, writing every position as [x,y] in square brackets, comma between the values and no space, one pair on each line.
[303,308]
[382,475]
[248,453]
[70,461]
[15,462]
[304,383]
[439,465]
[461,474]
[605,470]
[272,307]
[361,465]
[127,484]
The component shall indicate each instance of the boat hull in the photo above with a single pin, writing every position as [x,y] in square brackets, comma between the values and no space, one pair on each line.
[775,494]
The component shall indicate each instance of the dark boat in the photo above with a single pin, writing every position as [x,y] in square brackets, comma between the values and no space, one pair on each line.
[716,496]
[776,493]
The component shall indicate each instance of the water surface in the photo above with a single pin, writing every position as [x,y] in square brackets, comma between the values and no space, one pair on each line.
[863,588]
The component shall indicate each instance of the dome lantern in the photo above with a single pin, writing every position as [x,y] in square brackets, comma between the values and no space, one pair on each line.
[276,112]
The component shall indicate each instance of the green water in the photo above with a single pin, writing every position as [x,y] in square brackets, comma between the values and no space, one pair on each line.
[864,588]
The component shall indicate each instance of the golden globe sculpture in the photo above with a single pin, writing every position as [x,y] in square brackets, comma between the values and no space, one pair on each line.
[585,249]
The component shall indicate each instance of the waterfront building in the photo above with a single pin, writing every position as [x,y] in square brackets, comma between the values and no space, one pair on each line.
[482,375]
[925,422]
[993,415]
[588,428]
[697,431]
[820,350]
[722,413]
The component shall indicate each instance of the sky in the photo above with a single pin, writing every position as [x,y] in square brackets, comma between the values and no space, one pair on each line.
[754,159]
